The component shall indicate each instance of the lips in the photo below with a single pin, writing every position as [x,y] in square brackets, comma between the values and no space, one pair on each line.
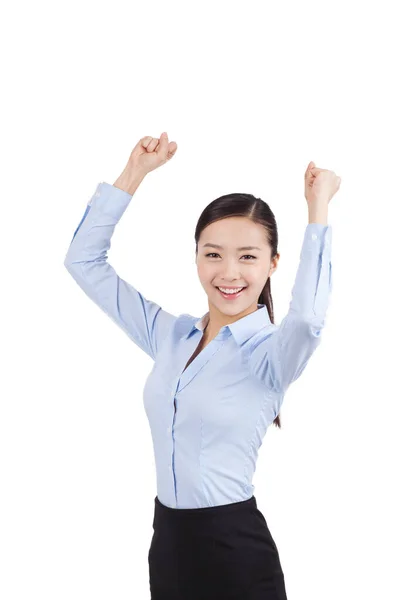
[231,296]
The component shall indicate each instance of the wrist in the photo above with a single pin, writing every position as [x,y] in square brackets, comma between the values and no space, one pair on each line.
[129,180]
[318,212]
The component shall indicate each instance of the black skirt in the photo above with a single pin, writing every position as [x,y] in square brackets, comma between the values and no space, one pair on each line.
[220,552]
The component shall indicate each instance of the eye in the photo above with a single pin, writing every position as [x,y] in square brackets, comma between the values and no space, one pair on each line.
[215,253]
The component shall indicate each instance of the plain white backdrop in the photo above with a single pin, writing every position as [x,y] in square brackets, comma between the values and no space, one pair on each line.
[251,93]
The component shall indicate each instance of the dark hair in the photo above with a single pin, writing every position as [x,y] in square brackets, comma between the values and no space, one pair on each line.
[258,211]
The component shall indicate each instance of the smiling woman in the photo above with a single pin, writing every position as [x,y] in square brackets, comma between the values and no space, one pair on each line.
[217,382]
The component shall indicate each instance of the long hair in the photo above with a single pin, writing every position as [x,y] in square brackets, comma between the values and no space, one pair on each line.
[258,211]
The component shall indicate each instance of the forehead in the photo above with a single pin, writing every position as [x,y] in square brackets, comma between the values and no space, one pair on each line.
[237,233]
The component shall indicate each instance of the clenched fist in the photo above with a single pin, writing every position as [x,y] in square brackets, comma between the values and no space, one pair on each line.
[150,153]
[320,184]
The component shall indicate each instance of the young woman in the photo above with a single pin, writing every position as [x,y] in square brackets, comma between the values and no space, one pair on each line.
[217,382]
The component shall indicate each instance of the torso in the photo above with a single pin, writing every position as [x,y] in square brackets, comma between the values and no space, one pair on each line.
[200,347]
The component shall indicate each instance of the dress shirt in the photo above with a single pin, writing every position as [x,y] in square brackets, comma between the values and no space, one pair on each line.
[207,421]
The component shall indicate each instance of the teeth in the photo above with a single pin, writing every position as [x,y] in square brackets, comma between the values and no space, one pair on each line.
[230,291]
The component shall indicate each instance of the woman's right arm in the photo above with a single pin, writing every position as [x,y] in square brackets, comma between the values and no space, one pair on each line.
[144,321]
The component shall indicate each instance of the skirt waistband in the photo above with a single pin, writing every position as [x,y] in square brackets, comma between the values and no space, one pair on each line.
[207,510]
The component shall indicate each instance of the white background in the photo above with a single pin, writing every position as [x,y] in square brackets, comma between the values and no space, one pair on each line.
[251,93]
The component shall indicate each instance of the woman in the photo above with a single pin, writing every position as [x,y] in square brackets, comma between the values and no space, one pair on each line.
[217,382]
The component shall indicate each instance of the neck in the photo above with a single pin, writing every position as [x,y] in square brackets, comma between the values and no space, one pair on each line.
[210,331]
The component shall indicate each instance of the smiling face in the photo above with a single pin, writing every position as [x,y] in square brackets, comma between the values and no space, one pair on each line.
[229,266]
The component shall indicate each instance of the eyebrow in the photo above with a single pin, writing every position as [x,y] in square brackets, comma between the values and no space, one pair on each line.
[240,249]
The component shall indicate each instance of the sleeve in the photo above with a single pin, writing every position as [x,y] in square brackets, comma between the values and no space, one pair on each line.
[279,359]
[144,321]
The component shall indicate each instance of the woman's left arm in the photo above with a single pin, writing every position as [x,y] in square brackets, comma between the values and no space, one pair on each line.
[280,358]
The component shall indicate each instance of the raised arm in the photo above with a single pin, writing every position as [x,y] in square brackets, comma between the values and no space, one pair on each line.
[144,321]
[280,358]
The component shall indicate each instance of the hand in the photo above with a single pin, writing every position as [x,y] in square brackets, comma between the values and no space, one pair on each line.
[320,184]
[150,153]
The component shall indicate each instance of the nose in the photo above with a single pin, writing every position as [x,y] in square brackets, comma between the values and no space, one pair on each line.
[230,273]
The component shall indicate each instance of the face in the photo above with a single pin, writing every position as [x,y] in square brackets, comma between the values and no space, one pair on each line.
[227,266]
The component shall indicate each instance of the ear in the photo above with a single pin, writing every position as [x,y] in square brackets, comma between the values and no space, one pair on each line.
[274,264]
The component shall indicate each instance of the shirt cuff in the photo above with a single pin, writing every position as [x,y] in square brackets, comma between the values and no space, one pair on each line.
[110,199]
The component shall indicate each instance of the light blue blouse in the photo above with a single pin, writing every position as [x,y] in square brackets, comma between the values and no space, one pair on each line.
[208,421]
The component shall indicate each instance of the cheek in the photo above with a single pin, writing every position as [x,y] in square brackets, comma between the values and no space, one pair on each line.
[261,272]
[206,273]
[255,277]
